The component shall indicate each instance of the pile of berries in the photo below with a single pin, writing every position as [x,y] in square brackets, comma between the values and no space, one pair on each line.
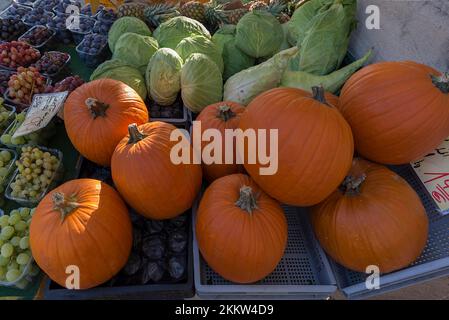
[23,85]
[52,62]
[68,84]
[18,54]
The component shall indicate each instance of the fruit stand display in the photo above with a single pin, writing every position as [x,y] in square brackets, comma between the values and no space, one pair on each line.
[93,185]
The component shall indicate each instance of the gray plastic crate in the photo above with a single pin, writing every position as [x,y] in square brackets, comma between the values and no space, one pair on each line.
[303,273]
[433,262]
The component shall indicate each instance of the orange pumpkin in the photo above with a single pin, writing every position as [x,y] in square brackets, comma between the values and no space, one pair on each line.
[398,111]
[97,115]
[241,231]
[147,177]
[315,146]
[82,223]
[375,218]
[220,116]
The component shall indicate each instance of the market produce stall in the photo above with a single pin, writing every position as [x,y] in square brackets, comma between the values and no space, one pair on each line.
[101,200]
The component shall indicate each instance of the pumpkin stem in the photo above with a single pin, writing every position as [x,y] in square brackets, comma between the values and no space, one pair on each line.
[225,112]
[96,108]
[247,200]
[351,185]
[318,94]
[441,82]
[135,135]
[65,205]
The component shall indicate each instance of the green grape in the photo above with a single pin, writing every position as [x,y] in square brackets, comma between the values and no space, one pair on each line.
[12,275]
[24,213]
[2,164]
[7,232]
[15,241]
[29,222]
[15,211]
[23,258]
[32,211]
[22,284]
[4,261]
[4,221]
[6,139]
[3,172]
[3,273]
[20,226]
[13,265]
[34,270]
[18,140]
[21,117]
[7,250]
[24,243]
[14,218]
[6,155]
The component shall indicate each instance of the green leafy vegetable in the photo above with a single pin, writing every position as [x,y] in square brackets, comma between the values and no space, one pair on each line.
[124,25]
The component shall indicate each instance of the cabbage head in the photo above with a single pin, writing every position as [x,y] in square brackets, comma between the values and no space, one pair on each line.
[163,76]
[200,44]
[223,35]
[258,34]
[121,71]
[171,32]
[136,50]
[124,25]
[201,82]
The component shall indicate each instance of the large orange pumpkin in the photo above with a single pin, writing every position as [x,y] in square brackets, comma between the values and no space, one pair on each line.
[375,218]
[241,231]
[398,111]
[315,146]
[220,116]
[147,177]
[97,115]
[82,223]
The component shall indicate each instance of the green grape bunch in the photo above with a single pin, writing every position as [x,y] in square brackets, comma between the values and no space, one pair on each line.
[6,161]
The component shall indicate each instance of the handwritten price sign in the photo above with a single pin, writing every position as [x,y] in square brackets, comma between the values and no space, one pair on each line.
[433,171]
[43,108]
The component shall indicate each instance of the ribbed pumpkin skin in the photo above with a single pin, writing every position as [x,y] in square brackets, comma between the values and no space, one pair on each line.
[240,246]
[96,237]
[315,145]
[396,113]
[97,138]
[210,119]
[384,225]
[148,180]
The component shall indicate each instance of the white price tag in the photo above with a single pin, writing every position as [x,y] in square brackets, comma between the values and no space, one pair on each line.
[43,108]
[433,171]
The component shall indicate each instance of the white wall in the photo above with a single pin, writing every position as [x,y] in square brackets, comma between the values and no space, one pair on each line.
[409,29]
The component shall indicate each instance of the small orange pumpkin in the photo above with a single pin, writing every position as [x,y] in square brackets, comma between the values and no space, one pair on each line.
[82,223]
[146,176]
[241,231]
[375,218]
[398,111]
[221,116]
[97,115]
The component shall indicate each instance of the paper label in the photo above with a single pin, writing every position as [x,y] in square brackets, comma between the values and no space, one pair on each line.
[433,171]
[43,108]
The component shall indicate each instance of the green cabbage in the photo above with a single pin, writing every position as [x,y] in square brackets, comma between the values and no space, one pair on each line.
[201,82]
[247,84]
[200,44]
[163,76]
[235,60]
[121,71]
[258,34]
[135,49]
[285,44]
[171,32]
[124,25]
[224,34]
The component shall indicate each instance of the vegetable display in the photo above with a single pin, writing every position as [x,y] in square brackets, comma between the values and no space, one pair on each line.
[97,116]
[398,111]
[220,116]
[241,231]
[83,223]
[372,195]
[146,176]
[312,161]
[201,82]
[163,76]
